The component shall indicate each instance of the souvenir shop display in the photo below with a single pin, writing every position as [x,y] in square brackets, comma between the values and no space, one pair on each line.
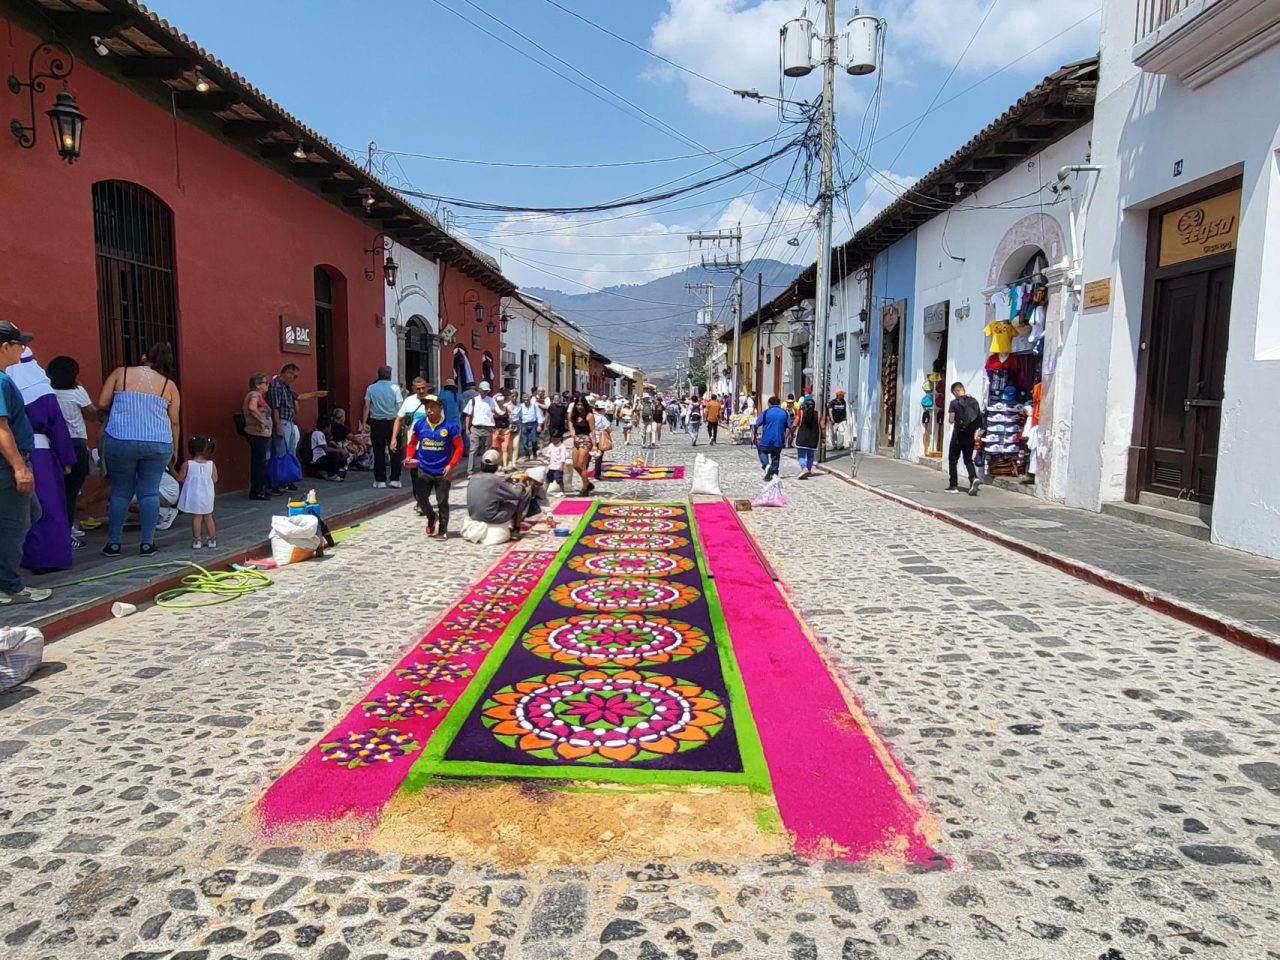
[1010,440]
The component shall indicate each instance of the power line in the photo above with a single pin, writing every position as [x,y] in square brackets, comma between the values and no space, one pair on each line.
[573,166]
[642,49]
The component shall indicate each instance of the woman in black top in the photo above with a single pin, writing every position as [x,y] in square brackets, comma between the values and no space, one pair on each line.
[805,434]
[583,422]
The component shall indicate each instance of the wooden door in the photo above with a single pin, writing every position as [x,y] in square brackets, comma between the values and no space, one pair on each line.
[1185,376]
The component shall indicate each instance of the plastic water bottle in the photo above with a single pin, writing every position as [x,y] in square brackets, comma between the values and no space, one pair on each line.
[311,496]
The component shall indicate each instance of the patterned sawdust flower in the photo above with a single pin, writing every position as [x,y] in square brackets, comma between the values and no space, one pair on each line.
[494,605]
[639,525]
[623,593]
[630,564]
[476,624]
[456,646]
[603,716]
[367,747]
[641,510]
[404,704]
[633,541]
[437,671]
[611,639]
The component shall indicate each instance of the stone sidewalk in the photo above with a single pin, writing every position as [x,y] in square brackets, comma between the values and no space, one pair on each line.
[1175,574]
[243,527]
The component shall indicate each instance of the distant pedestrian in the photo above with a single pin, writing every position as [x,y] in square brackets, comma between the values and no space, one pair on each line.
[603,436]
[529,417]
[583,422]
[965,417]
[382,401]
[625,412]
[478,420]
[199,478]
[557,419]
[805,435]
[64,377]
[770,433]
[141,406]
[17,483]
[257,431]
[693,419]
[791,408]
[714,410]
[838,421]
[556,455]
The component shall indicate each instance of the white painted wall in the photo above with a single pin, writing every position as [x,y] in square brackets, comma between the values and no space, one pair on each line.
[1143,124]
[850,296]
[527,332]
[964,259]
[417,292]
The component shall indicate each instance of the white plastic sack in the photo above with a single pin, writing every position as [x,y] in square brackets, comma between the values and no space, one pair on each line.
[294,539]
[485,534]
[169,490]
[21,651]
[706,476]
[771,495]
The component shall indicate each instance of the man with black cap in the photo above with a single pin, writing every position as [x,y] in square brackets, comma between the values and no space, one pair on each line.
[17,484]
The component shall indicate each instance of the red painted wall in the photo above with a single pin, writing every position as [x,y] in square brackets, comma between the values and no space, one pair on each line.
[458,296]
[246,241]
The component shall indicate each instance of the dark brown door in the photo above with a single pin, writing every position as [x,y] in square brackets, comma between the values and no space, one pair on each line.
[1186,374]
[324,338]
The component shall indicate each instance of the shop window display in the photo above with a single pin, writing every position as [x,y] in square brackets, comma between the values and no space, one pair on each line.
[1011,415]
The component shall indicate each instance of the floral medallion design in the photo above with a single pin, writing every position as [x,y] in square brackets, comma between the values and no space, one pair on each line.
[455,646]
[633,541]
[603,716]
[639,525]
[630,564]
[435,672]
[623,593]
[403,705]
[364,749]
[491,604]
[475,622]
[640,510]
[608,639]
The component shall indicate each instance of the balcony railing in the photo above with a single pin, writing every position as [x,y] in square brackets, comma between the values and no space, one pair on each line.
[1154,14]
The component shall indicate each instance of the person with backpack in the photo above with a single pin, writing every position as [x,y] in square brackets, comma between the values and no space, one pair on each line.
[965,417]
[694,421]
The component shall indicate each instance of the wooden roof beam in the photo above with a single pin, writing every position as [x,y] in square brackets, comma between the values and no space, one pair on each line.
[275,150]
[1009,148]
[1027,131]
[251,128]
[335,185]
[161,68]
[214,101]
[102,23]
[305,170]
[990,163]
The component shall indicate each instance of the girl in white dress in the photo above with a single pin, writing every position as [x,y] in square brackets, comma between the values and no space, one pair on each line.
[198,477]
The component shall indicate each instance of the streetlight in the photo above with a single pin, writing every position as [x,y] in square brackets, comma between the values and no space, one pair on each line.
[66,118]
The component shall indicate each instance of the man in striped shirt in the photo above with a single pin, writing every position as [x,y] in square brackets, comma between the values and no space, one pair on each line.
[283,402]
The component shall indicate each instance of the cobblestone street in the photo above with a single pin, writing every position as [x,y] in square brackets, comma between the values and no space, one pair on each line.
[1106,780]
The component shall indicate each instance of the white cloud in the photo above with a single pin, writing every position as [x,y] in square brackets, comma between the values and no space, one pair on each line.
[736,42]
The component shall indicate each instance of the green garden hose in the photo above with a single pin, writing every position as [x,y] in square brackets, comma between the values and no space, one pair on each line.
[213,587]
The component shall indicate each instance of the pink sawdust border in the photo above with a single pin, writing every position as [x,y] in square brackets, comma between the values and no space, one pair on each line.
[839,790]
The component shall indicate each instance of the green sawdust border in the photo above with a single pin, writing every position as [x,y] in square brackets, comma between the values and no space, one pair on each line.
[431,765]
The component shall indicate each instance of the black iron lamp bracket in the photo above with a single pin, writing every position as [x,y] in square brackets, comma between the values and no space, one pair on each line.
[60,64]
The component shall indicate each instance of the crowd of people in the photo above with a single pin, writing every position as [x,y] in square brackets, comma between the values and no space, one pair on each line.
[521,447]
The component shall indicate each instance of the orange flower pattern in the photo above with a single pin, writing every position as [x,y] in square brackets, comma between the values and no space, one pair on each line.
[630,564]
[623,593]
[607,639]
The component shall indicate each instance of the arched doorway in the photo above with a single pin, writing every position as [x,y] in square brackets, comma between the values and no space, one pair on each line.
[137,297]
[419,351]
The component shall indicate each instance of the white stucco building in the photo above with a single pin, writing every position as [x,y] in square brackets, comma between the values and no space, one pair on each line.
[527,322]
[1175,372]
[412,324]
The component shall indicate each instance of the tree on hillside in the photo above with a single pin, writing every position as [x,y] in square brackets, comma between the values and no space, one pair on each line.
[703,347]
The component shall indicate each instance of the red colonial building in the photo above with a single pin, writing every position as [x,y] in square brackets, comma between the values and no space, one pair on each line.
[200,213]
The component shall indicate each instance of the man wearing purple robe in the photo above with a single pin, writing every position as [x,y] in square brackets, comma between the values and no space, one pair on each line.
[48,544]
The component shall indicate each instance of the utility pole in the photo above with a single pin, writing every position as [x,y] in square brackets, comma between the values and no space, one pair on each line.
[724,258]
[826,201]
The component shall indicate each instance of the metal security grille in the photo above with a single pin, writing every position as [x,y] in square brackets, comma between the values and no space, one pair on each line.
[137,304]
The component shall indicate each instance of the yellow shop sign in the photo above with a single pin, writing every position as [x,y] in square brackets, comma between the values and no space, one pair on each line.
[1200,229]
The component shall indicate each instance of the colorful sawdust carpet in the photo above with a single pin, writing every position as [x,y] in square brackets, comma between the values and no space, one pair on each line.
[650,650]
[624,471]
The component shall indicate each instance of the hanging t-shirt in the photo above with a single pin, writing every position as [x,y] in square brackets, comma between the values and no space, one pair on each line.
[1001,333]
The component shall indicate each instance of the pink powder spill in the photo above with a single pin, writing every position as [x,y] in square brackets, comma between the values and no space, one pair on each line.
[839,791]
[317,787]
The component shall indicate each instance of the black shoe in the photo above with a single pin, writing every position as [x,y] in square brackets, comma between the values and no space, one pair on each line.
[259,496]
[146,550]
[291,487]
[111,550]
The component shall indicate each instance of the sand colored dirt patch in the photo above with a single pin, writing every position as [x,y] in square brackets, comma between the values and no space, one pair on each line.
[515,824]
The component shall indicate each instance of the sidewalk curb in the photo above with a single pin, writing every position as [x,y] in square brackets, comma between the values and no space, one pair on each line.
[95,612]
[1227,628]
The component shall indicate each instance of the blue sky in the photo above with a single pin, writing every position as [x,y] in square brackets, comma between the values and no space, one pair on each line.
[421,77]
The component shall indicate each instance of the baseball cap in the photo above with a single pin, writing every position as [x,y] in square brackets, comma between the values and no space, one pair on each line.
[430,398]
[484,385]
[491,457]
[9,333]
